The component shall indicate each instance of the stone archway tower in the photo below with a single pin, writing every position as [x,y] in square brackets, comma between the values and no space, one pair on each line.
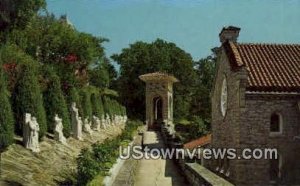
[159,93]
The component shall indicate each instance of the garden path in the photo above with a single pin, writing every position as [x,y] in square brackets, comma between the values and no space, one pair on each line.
[157,172]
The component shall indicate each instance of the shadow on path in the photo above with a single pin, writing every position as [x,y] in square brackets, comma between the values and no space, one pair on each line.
[157,172]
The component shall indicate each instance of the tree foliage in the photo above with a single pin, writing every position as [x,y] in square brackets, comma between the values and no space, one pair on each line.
[56,42]
[97,105]
[201,104]
[17,13]
[54,102]
[141,58]
[6,116]
[85,97]
[28,98]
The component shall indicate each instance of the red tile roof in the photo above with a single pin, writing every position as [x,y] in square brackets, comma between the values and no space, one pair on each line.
[198,142]
[271,67]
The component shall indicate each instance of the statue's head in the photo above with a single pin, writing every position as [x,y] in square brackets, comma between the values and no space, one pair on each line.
[33,119]
[74,105]
[27,116]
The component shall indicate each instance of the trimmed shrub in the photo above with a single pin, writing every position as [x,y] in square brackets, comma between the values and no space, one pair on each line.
[86,104]
[73,96]
[6,116]
[102,156]
[107,106]
[28,98]
[87,167]
[55,103]
[97,106]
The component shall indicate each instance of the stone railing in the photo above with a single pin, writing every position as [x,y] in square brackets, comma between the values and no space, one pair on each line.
[196,174]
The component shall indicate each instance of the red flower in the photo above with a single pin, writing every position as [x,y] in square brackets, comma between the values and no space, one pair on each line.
[9,66]
[71,58]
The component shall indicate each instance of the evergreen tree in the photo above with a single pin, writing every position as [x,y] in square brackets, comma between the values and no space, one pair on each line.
[95,99]
[101,106]
[73,96]
[6,116]
[85,97]
[55,103]
[28,98]
[107,106]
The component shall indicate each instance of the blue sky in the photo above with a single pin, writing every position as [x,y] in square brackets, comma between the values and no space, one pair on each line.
[193,25]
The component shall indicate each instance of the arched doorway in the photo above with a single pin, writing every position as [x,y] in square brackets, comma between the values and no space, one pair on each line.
[157,111]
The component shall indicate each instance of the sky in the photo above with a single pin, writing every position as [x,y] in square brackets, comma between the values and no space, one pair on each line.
[192,25]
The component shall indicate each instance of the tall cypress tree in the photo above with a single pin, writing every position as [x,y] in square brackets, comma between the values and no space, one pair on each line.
[73,96]
[107,105]
[86,104]
[55,103]
[28,98]
[6,116]
[101,106]
[96,105]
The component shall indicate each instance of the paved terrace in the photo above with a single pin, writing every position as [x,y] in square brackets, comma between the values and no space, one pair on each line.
[159,172]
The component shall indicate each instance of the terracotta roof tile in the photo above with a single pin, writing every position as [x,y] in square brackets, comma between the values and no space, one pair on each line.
[271,67]
[198,142]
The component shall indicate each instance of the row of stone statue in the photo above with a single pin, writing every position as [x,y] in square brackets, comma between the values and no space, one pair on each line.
[31,127]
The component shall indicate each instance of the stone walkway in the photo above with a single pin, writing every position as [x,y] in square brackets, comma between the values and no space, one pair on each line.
[159,172]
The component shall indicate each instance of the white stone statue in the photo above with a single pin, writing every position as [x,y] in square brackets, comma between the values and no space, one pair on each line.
[117,120]
[87,126]
[108,121]
[120,120]
[113,120]
[125,119]
[103,122]
[58,130]
[31,133]
[96,123]
[76,123]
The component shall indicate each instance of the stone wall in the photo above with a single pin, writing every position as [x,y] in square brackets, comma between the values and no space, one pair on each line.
[164,90]
[226,130]
[255,133]
[198,175]
[246,125]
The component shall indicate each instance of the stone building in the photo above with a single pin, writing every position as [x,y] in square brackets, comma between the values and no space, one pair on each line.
[256,104]
[159,98]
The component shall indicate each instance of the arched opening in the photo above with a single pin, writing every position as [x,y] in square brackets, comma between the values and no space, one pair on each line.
[157,110]
[276,123]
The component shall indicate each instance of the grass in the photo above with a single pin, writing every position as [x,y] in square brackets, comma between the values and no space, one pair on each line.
[97,181]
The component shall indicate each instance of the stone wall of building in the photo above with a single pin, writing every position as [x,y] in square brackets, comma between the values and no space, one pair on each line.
[226,130]
[255,133]
[247,125]
[164,90]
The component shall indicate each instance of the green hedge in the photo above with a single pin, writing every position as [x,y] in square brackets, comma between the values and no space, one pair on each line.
[85,99]
[28,98]
[73,96]
[6,116]
[102,156]
[97,105]
[55,102]
[113,107]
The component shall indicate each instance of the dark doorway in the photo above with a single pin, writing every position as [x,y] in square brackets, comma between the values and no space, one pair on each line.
[157,110]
